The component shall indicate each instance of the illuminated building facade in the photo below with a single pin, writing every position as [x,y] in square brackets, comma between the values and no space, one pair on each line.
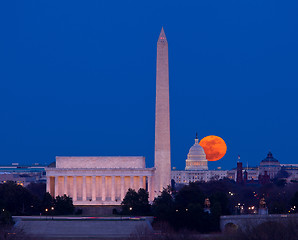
[99,180]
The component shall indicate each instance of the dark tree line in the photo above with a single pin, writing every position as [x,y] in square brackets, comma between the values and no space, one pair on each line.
[33,200]
[185,209]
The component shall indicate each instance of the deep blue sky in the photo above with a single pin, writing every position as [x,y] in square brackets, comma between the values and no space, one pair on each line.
[78,78]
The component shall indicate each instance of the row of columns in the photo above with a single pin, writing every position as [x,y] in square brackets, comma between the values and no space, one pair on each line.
[54,190]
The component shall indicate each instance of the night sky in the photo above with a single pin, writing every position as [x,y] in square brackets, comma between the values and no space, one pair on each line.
[78,78]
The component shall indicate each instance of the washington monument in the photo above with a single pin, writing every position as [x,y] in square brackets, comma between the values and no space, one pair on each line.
[162,158]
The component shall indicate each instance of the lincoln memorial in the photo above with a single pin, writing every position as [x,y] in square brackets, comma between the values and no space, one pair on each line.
[99,180]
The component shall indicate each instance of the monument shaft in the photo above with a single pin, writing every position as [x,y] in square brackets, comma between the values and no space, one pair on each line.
[162,117]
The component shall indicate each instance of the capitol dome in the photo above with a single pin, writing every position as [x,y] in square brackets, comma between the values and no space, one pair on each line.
[197,150]
[196,157]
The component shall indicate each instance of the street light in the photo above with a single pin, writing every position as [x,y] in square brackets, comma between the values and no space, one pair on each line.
[46,210]
[52,208]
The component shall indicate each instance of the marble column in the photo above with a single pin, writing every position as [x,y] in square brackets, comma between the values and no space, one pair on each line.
[131,182]
[141,182]
[103,188]
[84,189]
[74,197]
[122,188]
[49,185]
[93,188]
[65,185]
[56,186]
[113,189]
[149,178]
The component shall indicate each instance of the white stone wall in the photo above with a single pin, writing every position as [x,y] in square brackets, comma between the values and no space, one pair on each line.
[100,162]
[202,175]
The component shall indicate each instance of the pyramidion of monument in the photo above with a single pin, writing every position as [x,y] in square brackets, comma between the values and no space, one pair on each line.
[162,36]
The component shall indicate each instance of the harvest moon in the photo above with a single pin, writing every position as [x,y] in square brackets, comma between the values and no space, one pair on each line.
[215,147]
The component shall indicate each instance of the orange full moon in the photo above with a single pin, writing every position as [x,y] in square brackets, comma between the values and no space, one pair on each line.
[214,147]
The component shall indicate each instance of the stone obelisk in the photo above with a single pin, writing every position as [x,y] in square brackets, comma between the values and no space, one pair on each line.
[162,158]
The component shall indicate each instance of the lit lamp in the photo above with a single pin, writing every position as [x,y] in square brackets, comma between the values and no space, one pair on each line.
[130,209]
[46,210]
[52,208]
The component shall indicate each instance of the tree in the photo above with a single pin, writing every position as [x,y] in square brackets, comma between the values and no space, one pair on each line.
[48,202]
[143,207]
[189,194]
[17,199]
[163,206]
[63,205]
[130,202]
[136,203]
[37,189]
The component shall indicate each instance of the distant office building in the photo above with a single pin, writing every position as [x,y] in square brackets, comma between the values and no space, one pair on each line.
[22,174]
[291,172]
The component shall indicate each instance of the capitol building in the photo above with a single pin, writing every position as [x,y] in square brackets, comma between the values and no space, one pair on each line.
[196,168]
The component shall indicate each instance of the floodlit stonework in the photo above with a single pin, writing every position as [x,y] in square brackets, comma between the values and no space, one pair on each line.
[162,156]
[185,177]
[196,157]
[99,180]
[100,162]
